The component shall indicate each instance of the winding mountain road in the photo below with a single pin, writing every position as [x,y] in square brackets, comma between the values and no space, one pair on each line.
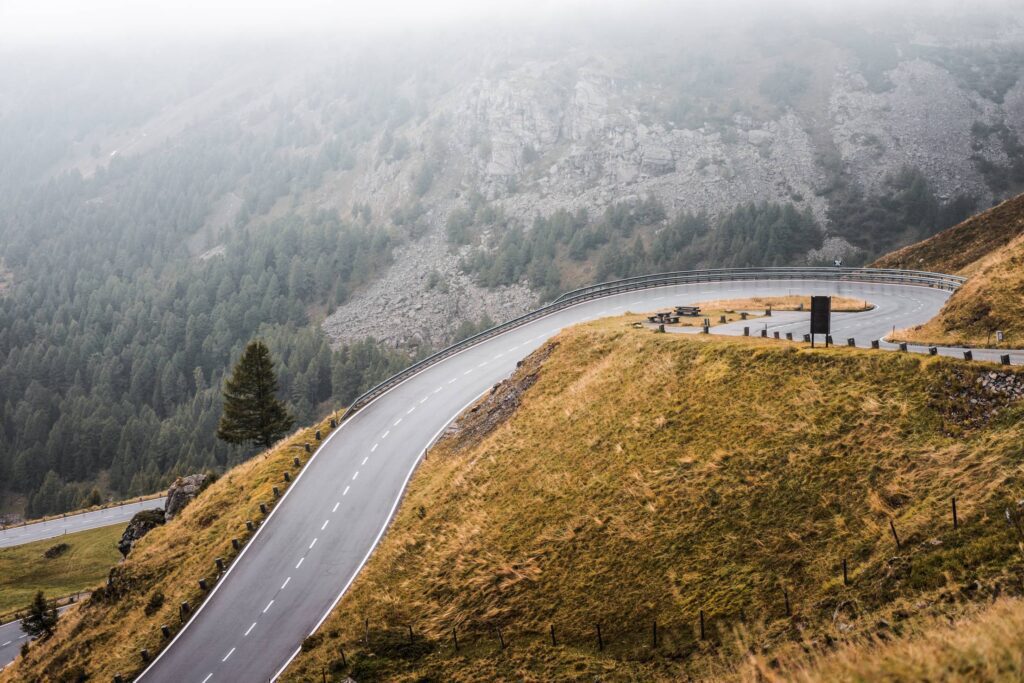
[317,538]
[69,524]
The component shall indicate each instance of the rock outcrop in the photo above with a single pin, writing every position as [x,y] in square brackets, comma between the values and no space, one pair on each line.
[141,524]
[182,491]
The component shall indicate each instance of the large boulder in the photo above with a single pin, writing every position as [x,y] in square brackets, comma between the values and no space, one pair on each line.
[182,491]
[141,524]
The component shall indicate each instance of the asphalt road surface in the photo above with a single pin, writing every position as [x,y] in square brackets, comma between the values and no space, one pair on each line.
[317,538]
[83,521]
[11,640]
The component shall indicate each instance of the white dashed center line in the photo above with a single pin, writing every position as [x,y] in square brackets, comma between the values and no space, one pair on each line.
[324,524]
[409,412]
[468,371]
[355,475]
[397,422]
[345,492]
[335,508]
[301,560]
[385,434]
[365,459]
[482,364]
[311,546]
[208,677]
[249,630]
[230,652]
[285,582]
[424,400]
[437,390]
[268,606]
[453,380]
[373,448]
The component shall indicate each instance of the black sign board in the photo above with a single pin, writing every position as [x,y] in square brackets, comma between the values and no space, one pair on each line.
[821,315]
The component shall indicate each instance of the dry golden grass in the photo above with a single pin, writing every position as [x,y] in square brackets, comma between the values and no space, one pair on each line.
[840,304]
[648,477]
[103,636]
[988,249]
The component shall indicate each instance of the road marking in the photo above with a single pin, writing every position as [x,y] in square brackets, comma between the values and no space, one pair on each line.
[468,371]
[7,643]
[372,449]
[482,364]
[249,630]
[438,389]
[499,356]
[208,677]
[355,475]
[310,547]
[324,524]
[335,508]
[301,560]
[365,459]
[424,400]
[453,380]
[345,492]
[285,582]
[409,412]
[268,606]
[385,435]
[397,422]
[230,652]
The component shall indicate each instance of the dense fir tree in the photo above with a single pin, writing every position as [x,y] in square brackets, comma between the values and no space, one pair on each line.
[252,412]
[41,620]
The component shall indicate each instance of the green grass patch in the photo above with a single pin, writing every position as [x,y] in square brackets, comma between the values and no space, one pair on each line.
[83,564]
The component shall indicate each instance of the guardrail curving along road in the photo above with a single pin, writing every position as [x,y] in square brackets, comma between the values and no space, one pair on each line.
[317,538]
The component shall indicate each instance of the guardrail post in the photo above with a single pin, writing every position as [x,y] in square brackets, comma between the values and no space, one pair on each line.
[851,342]
[287,477]
[764,334]
[746,331]
[789,336]
[776,334]
[220,564]
[234,544]
[277,492]
[165,631]
[334,423]
[296,461]
[249,525]
[306,446]
[202,585]
[263,508]
[807,339]
[1004,359]
[903,346]
[933,351]
[875,344]
[317,435]
[968,355]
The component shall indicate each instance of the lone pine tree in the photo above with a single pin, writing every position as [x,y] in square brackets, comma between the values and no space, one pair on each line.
[252,412]
[41,619]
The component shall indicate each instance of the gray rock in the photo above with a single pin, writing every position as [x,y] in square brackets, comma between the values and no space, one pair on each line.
[182,491]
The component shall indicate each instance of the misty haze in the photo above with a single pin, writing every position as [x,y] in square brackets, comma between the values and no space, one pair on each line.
[520,284]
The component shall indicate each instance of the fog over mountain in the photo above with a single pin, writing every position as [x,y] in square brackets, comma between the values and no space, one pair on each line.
[177,180]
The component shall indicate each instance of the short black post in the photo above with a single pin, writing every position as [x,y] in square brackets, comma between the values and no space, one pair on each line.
[875,344]
[184,609]
[702,624]
[220,564]
[807,339]
[455,639]
[828,340]
[956,522]
[318,437]
[306,446]
[903,346]
[145,654]
[600,642]
[118,678]
[554,643]
[263,508]
[296,461]
[165,631]
[846,578]
[654,633]
[851,342]
[895,536]
[234,544]
[746,331]
[768,312]
[287,477]
[764,333]
[249,525]
[334,423]
[785,596]
[777,334]
[933,350]
[721,320]
[202,584]
[789,336]
[1004,359]
[366,630]
[968,355]
[277,492]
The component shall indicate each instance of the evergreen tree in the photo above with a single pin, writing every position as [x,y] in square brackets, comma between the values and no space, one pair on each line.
[41,619]
[252,412]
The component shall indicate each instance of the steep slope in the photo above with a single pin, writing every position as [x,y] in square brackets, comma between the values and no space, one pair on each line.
[989,250]
[632,479]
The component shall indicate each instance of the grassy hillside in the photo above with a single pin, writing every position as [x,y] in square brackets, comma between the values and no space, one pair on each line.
[25,569]
[646,478]
[989,250]
[104,635]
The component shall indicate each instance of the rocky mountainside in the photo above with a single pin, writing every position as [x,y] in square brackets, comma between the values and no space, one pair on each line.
[699,115]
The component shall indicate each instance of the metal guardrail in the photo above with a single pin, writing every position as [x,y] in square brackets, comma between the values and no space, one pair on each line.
[874,275]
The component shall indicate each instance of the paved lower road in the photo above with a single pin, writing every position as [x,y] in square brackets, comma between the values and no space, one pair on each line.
[83,521]
[320,534]
[11,640]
